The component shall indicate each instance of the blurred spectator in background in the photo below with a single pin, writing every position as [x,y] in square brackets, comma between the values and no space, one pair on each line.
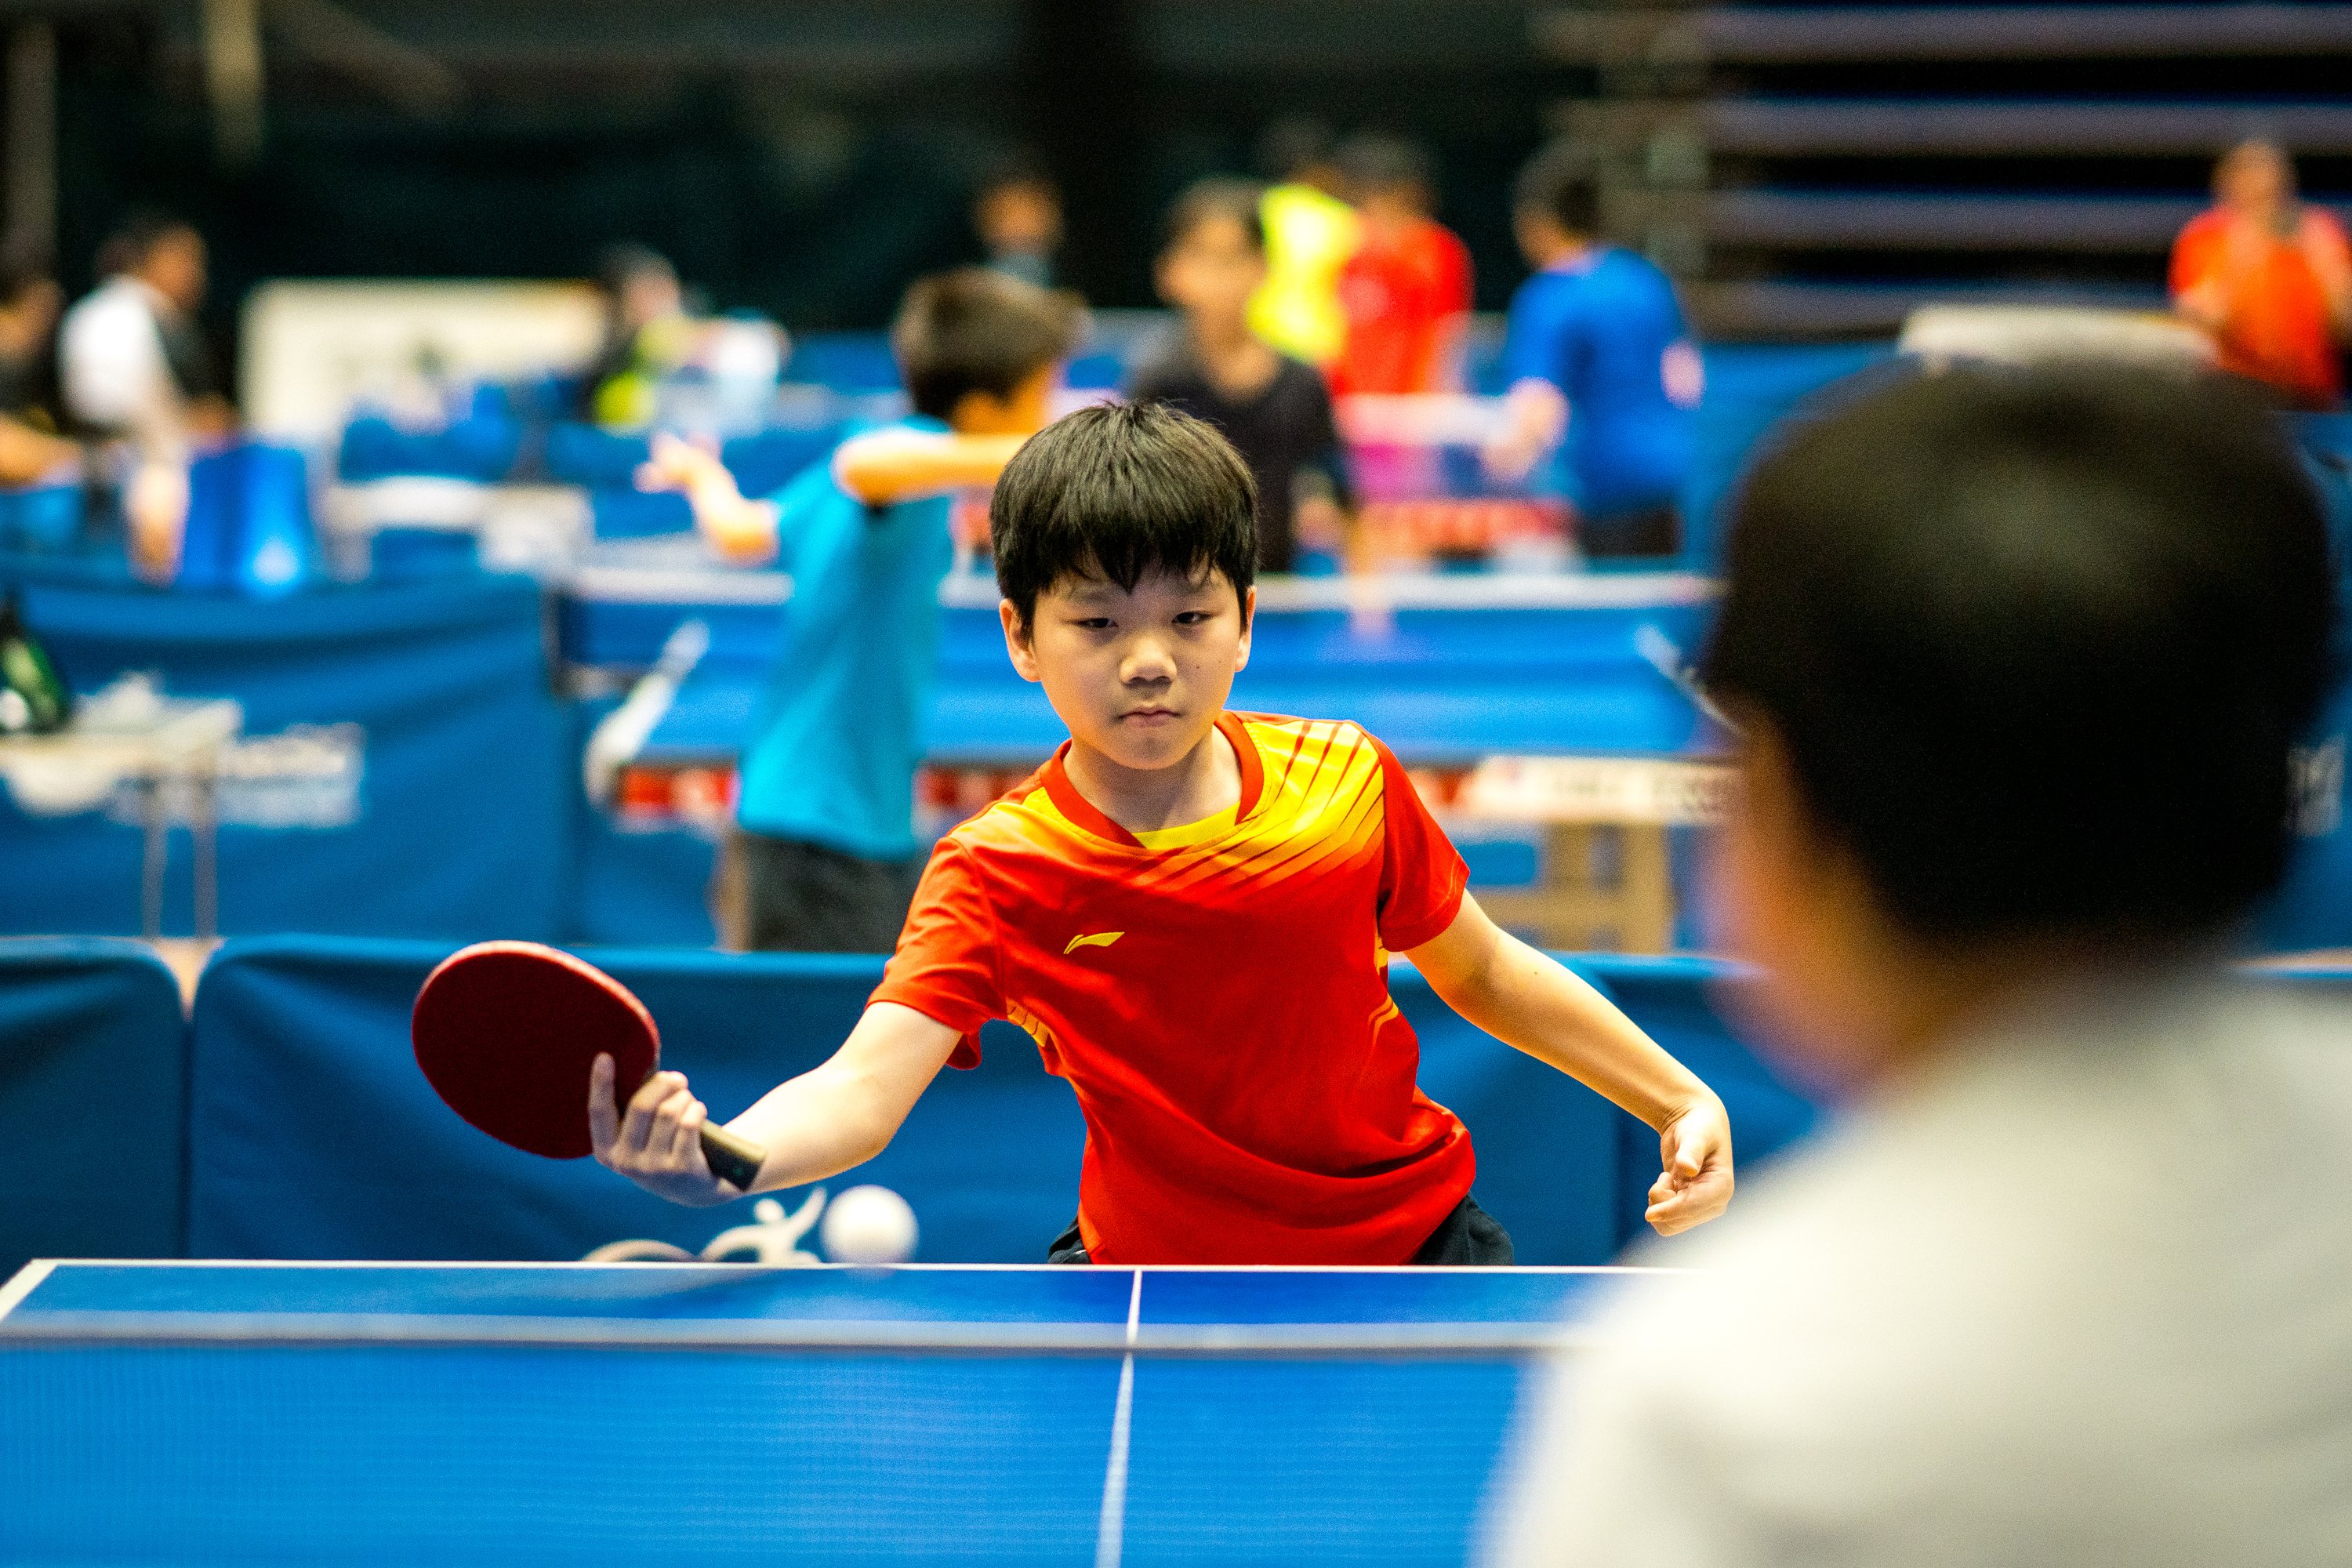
[30,299]
[132,355]
[1600,367]
[1406,290]
[134,365]
[647,334]
[2269,278]
[1310,233]
[1274,409]
[1018,217]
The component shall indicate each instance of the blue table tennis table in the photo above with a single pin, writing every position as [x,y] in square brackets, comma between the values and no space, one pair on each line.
[449,1413]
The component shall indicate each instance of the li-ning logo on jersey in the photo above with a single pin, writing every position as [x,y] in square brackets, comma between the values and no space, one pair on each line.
[1100,938]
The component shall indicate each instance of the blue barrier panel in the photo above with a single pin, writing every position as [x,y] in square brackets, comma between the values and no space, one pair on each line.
[93,1058]
[1546,1144]
[312,1134]
[450,819]
[633,885]
[645,887]
[1678,1002]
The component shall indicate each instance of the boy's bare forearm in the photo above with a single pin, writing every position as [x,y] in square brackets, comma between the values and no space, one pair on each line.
[892,465]
[817,1125]
[846,1111]
[1534,1004]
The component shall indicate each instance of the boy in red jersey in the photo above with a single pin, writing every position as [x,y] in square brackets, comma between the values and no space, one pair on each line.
[1191,912]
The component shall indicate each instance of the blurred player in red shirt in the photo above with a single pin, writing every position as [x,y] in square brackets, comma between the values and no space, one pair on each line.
[1406,290]
[2269,278]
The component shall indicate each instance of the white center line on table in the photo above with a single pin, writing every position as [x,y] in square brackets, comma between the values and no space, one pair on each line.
[1110,1536]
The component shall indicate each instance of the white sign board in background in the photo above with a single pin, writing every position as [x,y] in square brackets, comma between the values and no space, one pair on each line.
[312,350]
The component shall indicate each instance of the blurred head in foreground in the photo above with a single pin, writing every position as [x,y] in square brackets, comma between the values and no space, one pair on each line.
[2020,656]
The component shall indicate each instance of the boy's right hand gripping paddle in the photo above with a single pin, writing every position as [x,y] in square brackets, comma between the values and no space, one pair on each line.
[507,1031]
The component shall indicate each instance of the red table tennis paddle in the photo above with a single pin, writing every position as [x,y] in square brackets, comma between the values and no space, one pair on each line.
[507,1031]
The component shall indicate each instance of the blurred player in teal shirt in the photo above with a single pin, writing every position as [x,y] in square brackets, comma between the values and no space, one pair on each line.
[825,858]
[1600,368]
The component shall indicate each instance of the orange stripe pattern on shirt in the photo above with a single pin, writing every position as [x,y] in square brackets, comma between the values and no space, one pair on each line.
[1217,995]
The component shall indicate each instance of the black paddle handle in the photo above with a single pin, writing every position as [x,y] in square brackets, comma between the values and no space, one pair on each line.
[731,1156]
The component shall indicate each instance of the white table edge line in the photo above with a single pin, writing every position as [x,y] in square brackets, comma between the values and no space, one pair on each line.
[946,1338]
[703,1264]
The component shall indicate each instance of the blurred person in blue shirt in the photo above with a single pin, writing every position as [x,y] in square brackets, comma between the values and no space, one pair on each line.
[1601,368]
[826,858]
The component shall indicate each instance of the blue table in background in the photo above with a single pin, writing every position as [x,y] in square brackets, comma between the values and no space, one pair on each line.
[708,1414]
[313,1135]
[1453,668]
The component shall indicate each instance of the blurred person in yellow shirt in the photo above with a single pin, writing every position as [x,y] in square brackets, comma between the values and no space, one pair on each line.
[1310,233]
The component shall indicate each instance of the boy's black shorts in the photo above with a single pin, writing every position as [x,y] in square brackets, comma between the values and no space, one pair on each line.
[1469,1237]
[793,897]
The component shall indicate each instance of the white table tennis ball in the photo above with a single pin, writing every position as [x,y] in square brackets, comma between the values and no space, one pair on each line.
[868,1225]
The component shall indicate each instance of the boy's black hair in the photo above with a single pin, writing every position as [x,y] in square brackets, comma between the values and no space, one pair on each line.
[1205,201]
[1373,164]
[1562,182]
[2037,644]
[974,330]
[1117,491]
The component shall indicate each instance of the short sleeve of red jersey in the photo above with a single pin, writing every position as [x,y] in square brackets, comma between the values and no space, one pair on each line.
[945,967]
[1421,873]
[2194,253]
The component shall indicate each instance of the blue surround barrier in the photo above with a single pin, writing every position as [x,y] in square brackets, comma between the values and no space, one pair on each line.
[93,1108]
[313,1135]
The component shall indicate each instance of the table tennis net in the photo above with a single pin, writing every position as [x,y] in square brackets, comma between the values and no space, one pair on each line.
[447,1452]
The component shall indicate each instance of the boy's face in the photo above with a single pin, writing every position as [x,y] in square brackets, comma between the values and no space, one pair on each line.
[1023,216]
[1212,270]
[174,269]
[1024,411]
[2254,179]
[1138,674]
[1394,208]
